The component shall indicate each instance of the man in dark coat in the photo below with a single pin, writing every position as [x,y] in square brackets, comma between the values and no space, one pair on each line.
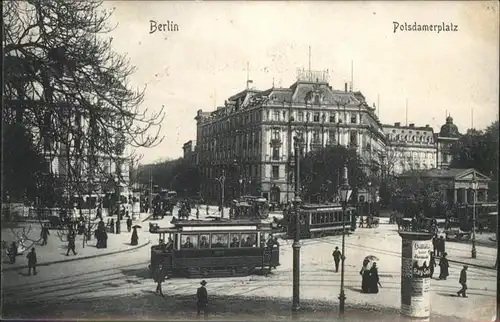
[202,299]
[441,246]
[463,281]
[336,258]
[31,261]
[432,263]
[44,234]
[71,244]
[129,224]
[159,279]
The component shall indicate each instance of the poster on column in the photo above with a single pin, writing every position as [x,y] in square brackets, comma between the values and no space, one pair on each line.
[420,296]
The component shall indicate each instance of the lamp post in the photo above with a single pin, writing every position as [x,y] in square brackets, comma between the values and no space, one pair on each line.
[241,186]
[369,197]
[221,180]
[474,189]
[345,194]
[296,242]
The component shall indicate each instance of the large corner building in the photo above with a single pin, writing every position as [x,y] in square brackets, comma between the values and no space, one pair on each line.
[249,140]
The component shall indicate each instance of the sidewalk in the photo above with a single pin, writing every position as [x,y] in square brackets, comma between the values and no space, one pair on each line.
[55,250]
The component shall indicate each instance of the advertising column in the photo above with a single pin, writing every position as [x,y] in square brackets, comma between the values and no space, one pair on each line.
[415,274]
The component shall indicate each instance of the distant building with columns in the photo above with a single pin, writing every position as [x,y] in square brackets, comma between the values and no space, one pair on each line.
[249,140]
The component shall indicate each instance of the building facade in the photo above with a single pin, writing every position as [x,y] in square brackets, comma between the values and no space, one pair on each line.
[409,148]
[445,139]
[418,147]
[189,152]
[248,142]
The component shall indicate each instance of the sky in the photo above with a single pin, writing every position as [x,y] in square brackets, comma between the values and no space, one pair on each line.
[205,61]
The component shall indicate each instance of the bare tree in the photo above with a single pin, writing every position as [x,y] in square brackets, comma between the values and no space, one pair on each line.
[64,83]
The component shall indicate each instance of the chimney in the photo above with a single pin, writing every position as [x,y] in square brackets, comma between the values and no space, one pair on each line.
[249,84]
[397,124]
[427,125]
[345,87]
[412,125]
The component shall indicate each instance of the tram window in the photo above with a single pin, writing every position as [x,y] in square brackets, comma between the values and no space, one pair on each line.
[204,241]
[337,217]
[189,241]
[248,240]
[235,241]
[220,240]
[314,220]
[332,217]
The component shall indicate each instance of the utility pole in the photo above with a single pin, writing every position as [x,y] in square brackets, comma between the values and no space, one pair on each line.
[296,243]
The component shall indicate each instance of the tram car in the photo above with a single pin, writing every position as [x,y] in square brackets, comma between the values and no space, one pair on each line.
[320,220]
[214,248]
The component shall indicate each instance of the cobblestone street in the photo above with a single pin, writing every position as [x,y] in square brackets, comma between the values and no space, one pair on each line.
[119,286]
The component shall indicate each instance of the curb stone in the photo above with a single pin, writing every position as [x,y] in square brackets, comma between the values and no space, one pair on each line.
[73,259]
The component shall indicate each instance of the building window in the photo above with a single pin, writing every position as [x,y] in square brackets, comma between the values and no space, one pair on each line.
[331,137]
[353,138]
[300,117]
[332,118]
[276,134]
[276,153]
[276,115]
[276,172]
[316,117]
[316,136]
[353,118]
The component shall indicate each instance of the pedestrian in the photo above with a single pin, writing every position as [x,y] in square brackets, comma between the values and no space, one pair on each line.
[135,238]
[71,244]
[12,252]
[361,222]
[159,278]
[44,234]
[99,212]
[435,245]
[207,211]
[129,224]
[198,212]
[336,258]
[441,244]
[202,299]
[432,263]
[112,226]
[31,261]
[463,281]
[444,266]
[374,279]
[365,277]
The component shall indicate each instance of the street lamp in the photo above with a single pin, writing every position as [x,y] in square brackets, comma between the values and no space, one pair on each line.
[369,197]
[296,242]
[474,189]
[345,194]
[221,180]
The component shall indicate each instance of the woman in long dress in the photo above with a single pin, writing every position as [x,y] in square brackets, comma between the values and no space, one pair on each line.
[444,265]
[374,279]
[365,275]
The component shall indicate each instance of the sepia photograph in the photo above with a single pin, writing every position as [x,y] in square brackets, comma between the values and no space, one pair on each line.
[250,160]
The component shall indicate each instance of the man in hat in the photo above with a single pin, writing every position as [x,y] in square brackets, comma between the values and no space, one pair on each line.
[31,261]
[202,299]
[463,281]
[159,278]
[336,258]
